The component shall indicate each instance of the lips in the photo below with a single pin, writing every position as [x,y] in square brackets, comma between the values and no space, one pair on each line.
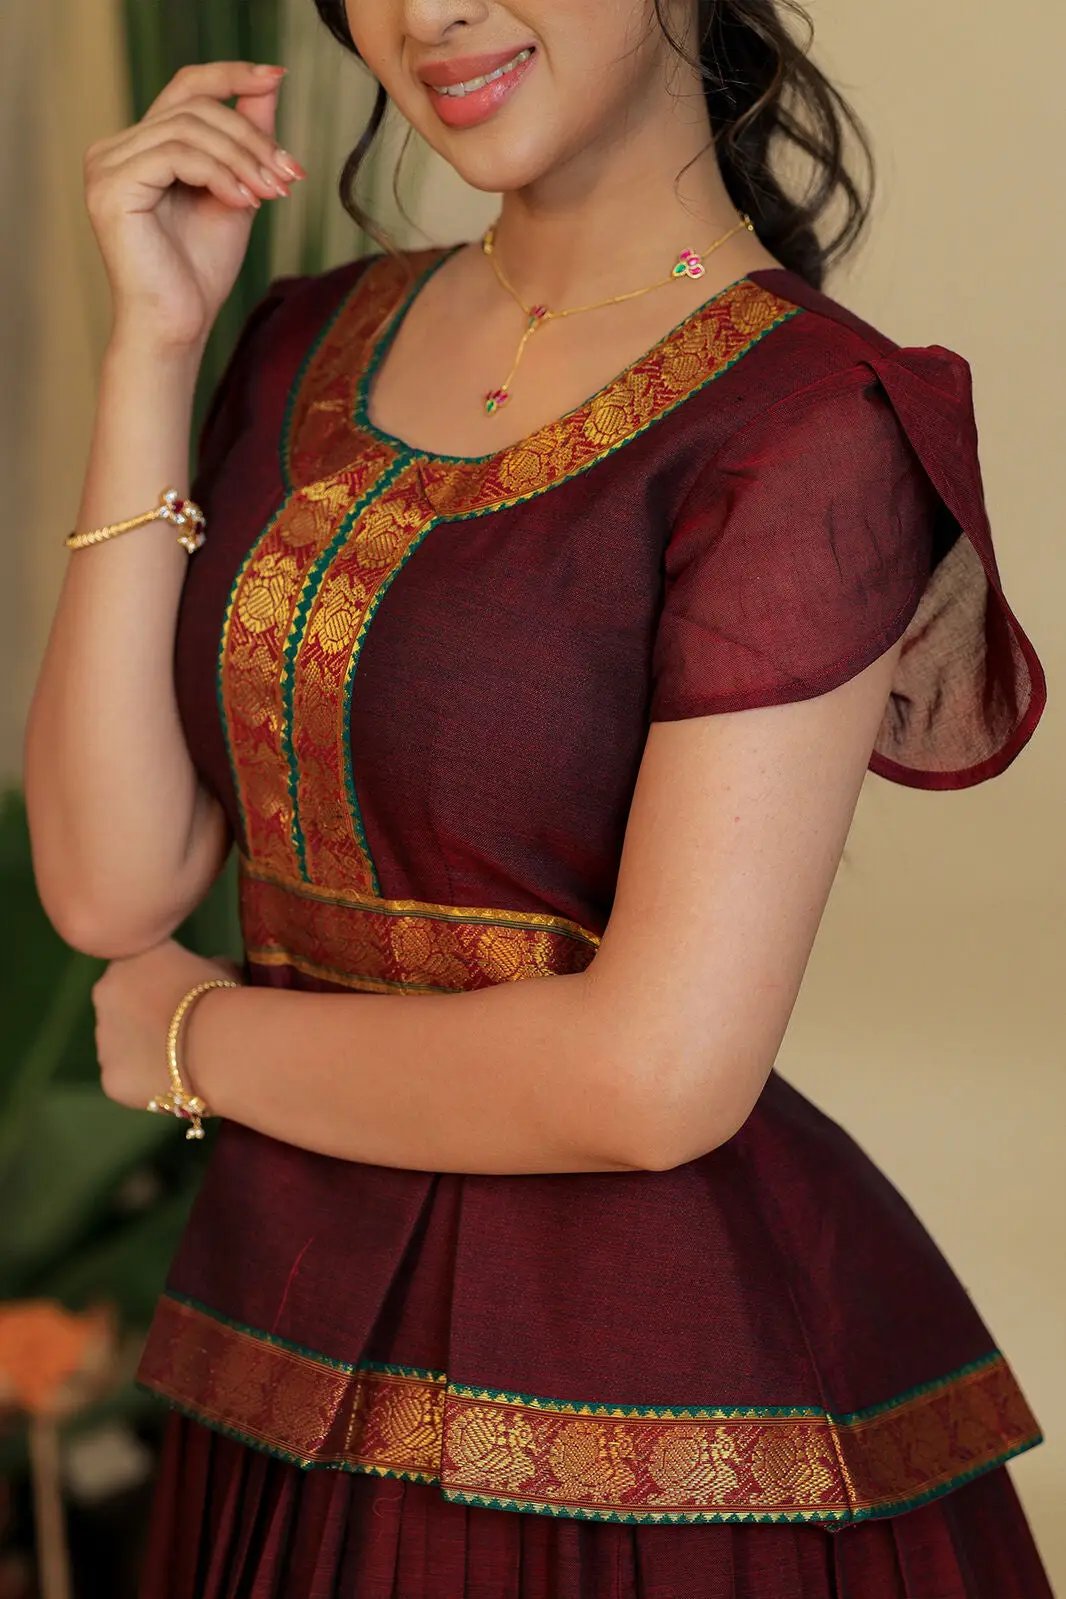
[458,91]
[461,69]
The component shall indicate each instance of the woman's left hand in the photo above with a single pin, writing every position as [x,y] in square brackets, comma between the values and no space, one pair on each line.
[135,1000]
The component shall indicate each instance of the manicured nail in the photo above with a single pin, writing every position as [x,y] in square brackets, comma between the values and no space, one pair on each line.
[289,165]
[265,69]
[253,199]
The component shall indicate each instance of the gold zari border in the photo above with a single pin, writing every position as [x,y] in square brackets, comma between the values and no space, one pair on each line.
[358,504]
[388,946]
[590,1461]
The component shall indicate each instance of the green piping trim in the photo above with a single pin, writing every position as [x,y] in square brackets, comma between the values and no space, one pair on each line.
[578,1513]
[309,591]
[285,441]
[345,1366]
[595,1407]
[360,413]
[284,462]
[853,1416]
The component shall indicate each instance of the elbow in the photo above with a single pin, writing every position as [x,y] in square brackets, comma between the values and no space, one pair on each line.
[108,914]
[97,925]
[105,937]
[670,1115]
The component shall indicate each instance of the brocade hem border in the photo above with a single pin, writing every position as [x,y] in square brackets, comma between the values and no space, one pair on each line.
[592,1461]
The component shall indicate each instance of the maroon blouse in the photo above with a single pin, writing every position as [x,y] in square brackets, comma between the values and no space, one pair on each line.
[420,686]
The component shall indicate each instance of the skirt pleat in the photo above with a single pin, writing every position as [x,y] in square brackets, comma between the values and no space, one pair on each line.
[229,1522]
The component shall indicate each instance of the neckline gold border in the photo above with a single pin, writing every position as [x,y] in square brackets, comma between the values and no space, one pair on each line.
[382,341]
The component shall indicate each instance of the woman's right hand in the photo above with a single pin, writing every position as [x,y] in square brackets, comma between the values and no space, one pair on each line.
[172,198]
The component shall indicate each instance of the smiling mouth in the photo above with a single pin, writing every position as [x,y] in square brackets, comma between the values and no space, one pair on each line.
[457,90]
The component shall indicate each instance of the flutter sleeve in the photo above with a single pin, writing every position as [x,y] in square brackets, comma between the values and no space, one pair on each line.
[849,515]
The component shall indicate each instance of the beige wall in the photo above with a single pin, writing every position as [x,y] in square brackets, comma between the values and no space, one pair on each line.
[61,86]
[932,1018]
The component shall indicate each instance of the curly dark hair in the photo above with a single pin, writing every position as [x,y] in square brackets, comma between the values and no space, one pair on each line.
[763,94]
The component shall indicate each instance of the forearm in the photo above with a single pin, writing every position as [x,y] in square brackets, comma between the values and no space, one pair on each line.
[519,1077]
[118,820]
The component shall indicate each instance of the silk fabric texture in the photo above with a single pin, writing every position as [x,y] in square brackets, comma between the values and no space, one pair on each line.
[420,686]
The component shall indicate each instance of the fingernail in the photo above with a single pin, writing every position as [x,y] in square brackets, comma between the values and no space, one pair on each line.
[265,69]
[289,165]
[271,179]
[253,199]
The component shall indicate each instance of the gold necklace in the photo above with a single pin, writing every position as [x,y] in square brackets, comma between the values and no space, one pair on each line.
[689,264]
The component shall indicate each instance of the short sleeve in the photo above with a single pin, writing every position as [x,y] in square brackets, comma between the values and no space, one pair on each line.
[845,517]
[232,406]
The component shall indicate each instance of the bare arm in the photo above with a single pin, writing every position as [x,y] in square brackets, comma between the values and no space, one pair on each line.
[652,1056]
[125,839]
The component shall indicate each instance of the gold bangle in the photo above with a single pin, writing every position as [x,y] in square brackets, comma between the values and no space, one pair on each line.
[183,513]
[179,1102]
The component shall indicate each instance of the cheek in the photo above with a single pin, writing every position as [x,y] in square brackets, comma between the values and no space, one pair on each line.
[374,34]
[603,59]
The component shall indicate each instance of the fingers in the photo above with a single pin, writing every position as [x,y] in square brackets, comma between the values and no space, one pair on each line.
[154,169]
[259,141]
[218,131]
[261,110]
[189,136]
[218,79]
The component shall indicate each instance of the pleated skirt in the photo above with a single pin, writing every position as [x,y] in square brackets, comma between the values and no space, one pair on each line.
[230,1522]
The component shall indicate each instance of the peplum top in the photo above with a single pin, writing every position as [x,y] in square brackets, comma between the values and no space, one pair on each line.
[420,686]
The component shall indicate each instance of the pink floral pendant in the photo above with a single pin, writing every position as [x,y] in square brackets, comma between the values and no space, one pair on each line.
[496,398]
[689,265]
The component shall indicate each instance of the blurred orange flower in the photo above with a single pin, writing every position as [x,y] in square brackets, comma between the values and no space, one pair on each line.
[52,1358]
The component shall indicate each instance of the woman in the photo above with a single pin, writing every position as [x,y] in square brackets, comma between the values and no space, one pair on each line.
[527,646]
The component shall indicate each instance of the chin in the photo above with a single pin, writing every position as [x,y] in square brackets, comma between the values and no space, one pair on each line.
[500,174]
[497,160]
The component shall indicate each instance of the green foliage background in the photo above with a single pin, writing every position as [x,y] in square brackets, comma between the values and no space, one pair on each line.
[94,1197]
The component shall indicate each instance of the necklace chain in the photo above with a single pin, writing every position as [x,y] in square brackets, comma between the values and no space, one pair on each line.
[689,264]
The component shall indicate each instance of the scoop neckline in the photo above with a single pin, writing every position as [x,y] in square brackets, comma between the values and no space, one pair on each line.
[383,339]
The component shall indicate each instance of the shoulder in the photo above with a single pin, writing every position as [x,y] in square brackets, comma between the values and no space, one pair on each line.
[821,348]
[297,309]
[287,322]
[310,297]
[815,376]
[826,317]
[295,305]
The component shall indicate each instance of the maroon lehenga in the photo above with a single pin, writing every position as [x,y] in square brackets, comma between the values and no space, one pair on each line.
[420,686]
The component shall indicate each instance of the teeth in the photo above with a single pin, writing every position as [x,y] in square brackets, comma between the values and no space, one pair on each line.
[459,89]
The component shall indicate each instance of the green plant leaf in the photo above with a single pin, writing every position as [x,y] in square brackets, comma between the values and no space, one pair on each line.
[40,980]
[77,1149]
[126,1267]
